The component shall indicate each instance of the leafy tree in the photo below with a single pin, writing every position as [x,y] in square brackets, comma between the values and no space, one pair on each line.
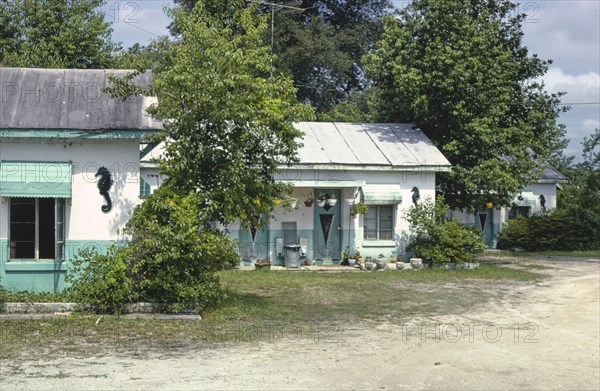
[55,34]
[459,70]
[319,43]
[229,123]
[172,257]
[156,56]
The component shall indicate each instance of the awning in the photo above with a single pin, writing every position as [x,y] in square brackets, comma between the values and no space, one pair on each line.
[35,179]
[528,199]
[325,184]
[382,194]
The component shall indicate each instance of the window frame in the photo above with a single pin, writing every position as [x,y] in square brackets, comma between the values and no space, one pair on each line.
[58,230]
[378,224]
[524,211]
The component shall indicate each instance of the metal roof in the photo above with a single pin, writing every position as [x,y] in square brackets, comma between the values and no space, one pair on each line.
[32,98]
[361,145]
[552,175]
[337,145]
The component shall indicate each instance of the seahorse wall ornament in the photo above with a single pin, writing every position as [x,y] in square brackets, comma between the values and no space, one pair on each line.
[416,195]
[104,184]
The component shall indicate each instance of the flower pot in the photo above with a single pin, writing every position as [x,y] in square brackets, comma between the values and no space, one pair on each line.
[381,263]
[307,262]
[293,203]
[308,204]
[351,262]
[332,201]
[369,265]
[416,263]
[320,203]
[447,266]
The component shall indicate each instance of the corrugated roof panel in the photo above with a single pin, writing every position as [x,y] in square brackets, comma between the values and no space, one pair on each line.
[419,145]
[390,145]
[312,151]
[333,142]
[35,98]
[360,144]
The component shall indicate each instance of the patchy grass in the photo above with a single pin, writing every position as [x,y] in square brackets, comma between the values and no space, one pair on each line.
[541,254]
[271,306]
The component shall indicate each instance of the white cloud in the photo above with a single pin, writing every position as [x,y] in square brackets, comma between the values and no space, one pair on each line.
[567,32]
[583,87]
[590,124]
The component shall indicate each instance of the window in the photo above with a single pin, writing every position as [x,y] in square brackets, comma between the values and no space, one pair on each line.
[519,211]
[145,189]
[379,222]
[36,228]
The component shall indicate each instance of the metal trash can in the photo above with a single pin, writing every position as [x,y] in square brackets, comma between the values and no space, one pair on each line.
[292,255]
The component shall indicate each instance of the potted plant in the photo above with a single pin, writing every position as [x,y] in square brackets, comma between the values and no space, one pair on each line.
[331,200]
[352,261]
[359,208]
[381,261]
[369,264]
[262,264]
[308,200]
[321,200]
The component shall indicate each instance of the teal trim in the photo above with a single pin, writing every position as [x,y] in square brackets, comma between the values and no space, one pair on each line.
[38,266]
[74,133]
[43,275]
[382,194]
[379,243]
[35,179]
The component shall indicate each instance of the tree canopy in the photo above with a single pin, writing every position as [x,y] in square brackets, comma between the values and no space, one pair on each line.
[55,34]
[228,122]
[458,69]
[319,44]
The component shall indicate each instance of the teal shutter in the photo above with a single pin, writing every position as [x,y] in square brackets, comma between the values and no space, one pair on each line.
[35,179]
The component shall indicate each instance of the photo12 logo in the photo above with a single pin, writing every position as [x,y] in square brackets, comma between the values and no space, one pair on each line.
[454,332]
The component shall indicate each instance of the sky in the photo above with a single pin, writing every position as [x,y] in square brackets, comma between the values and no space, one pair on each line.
[566,31]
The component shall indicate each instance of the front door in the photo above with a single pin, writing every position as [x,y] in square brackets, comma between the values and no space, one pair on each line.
[254,242]
[327,226]
[484,221]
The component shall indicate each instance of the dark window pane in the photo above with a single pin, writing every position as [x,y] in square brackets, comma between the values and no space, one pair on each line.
[46,228]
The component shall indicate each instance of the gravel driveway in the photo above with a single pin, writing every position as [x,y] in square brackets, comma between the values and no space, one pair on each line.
[542,336]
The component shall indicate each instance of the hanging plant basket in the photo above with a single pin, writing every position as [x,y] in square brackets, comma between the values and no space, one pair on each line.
[321,203]
[332,201]
[308,204]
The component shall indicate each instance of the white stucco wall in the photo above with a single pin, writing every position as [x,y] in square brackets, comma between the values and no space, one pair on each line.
[84,218]
[549,192]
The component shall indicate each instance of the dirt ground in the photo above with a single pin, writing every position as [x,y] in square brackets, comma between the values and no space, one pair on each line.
[542,336]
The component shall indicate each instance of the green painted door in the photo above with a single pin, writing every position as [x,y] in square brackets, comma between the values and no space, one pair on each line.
[484,221]
[327,226]
[255,243]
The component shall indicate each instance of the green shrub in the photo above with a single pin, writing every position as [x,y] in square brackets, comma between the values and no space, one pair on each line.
[3,298]
[63,296]
[100,282]
[560,229]
[438,241]
[174,254]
